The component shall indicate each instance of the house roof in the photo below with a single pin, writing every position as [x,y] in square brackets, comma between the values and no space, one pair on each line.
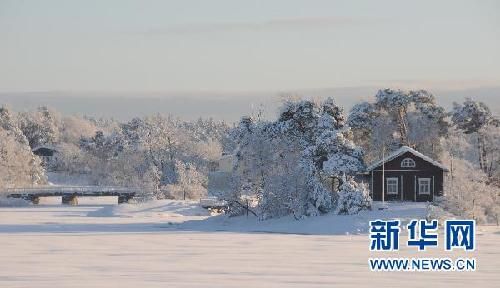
[403,150]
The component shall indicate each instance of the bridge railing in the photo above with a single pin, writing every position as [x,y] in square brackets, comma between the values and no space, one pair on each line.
[68,189]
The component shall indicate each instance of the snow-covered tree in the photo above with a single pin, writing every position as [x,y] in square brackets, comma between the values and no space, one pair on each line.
[190,183]
[40,127]
[252,158]
[70,159]
[474,117]
[362,116]
[285,189]
[73,128]
[203,130]
[156,147]
[353,197]
[104,147]
[399,118]
[468,193]
[18,165]
[152,181]
[8,123]
[492,155]
[396,103]
[283,163]
[328,150]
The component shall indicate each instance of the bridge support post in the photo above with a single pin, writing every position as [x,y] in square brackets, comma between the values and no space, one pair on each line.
[74,201]
[123,199]
[35,200]
[70,199]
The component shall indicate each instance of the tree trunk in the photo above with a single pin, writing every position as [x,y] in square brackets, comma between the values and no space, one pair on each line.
[473,208]
[479,151]
[485,159]
[482,153]
[403,128]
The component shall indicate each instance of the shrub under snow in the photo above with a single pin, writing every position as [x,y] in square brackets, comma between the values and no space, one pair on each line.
[353,197]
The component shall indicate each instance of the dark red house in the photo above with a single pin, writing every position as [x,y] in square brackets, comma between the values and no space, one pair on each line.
[406,175]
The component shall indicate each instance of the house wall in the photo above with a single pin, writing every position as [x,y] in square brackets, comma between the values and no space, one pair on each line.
[408,188]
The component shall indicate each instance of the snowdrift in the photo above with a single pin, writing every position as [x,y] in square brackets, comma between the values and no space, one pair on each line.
[189,216]
[329,224]
[13,202]
[171,209]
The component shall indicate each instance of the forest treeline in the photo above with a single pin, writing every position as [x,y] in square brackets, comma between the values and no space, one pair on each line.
[281,164]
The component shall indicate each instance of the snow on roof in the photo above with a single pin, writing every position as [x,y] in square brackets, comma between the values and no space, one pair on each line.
[403,150]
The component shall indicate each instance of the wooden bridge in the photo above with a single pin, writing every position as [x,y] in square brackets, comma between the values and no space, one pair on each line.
[70,194]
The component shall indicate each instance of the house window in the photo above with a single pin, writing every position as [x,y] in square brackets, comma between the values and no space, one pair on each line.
[392,186]
[408,163]
[424,186]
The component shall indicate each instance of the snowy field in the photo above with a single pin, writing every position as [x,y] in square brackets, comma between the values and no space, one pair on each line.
[177,244]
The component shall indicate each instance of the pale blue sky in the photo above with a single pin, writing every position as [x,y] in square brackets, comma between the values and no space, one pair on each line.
[247,45]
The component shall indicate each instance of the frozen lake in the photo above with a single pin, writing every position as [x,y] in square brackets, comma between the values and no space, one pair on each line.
[61,246]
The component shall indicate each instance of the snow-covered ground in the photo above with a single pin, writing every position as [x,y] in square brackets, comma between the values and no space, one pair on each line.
[189,216]
[177,244]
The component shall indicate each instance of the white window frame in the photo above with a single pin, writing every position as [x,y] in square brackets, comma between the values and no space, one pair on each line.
[408,163]
[428,185]
[390,192]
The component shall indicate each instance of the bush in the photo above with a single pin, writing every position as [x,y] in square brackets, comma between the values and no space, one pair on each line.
[353,197]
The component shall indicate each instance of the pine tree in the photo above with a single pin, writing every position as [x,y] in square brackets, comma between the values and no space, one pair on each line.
[398,118]
[473,117]
[283,163]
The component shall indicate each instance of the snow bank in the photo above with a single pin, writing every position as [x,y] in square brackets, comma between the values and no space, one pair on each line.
[330,224]
[189,216]
[98,200]
[13,202]
[171,209]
